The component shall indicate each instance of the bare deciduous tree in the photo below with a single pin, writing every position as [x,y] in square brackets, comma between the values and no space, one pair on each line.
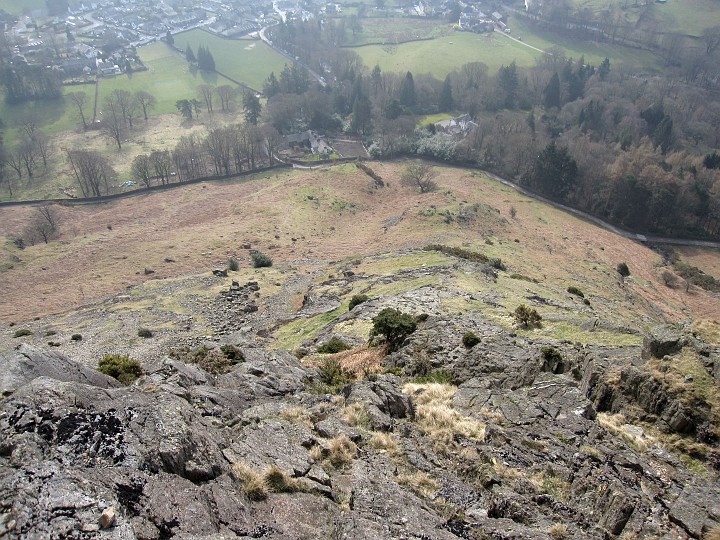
[207,92]
[113,124]
[226,93]
[79,99]
[146,101]
[92,171]
[420,175]
[142,168]
[162,164]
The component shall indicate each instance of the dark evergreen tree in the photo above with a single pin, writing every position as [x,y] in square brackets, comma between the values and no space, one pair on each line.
[508,83]
[604,69]
[551,94]
[251,104]
[446,102]
[189,54]
[271,86]
[362,114]
[554,172]
[663,134]
[169,39]
[712,161]
[407,92]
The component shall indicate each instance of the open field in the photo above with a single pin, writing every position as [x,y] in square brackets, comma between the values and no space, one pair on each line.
[442,55]
[594,52]
[19,7]
[684,16]
[247,61]
[199,226]
[168,78]
[53,117]
[396,29]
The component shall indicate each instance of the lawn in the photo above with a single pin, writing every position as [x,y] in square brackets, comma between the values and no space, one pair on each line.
[440,56]
[168,78]
[246,61]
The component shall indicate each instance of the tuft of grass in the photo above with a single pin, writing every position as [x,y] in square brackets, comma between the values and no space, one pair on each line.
[440,376]
[253,483]
[712,534]
[278,481]
[357,299]
[419,483]
[341,451]
[261,260]
[145,333]
[591,451]
[436,418]
[383,441]
[297,415]
[233,264]
[575,291]
[617,425]
[356,415]
[558,531]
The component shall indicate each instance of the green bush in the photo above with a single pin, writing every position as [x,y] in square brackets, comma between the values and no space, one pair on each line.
[526,316]
[50,333]
[394,325]
[575,291]
[523,278]
[119,367]
[551,354]
[261,260]
[335,345]
[497,264]
[22,332]
[422,318]
[233,264]
[215,361]
[470,339]
[76,337]
[441,376]
[232,353]
[145,333]
[332,375]
[623,269]
[586,301]
[358,299]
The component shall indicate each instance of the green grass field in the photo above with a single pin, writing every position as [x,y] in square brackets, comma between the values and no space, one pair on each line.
[247,61]
[396,29]
[594,52]
[442,55]
[168,78]
[52,116]
[18,7]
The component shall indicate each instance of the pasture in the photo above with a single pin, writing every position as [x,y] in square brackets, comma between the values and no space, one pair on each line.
[442,55]
[247,61]
[168,78]
[396,30]
[20,7]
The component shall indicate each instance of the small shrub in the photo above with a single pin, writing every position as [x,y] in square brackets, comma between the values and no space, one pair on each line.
[470,339]
[586,301]
[422,318]
[358,299]
[119,367]
[50,333]
[332,375]
[233,264]
[623,269]
[394,325]
[76,337]
[440,376]
[526,316]
[383,441]
[523,278]
[575,291]
[513,212]
[145,333]
[335,345]
[497,264]
[669,279]
[261,260]
[22,332]
[394,371]
[232,353]
[558,531]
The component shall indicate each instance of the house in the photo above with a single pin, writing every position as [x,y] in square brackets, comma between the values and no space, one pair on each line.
[459,125]
[310,140]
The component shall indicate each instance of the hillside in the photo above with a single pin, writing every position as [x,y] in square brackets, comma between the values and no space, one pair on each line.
[602,421]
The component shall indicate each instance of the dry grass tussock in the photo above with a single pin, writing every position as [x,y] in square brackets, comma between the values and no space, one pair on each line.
[632,435]
[559,530]
[419,483]
[253,482]
[341,451]
[383,441]
[356,415]
[437,419]
[359,362]
[712,534]
[297,415]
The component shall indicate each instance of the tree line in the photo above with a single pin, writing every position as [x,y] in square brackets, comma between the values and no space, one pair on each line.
[625,145]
